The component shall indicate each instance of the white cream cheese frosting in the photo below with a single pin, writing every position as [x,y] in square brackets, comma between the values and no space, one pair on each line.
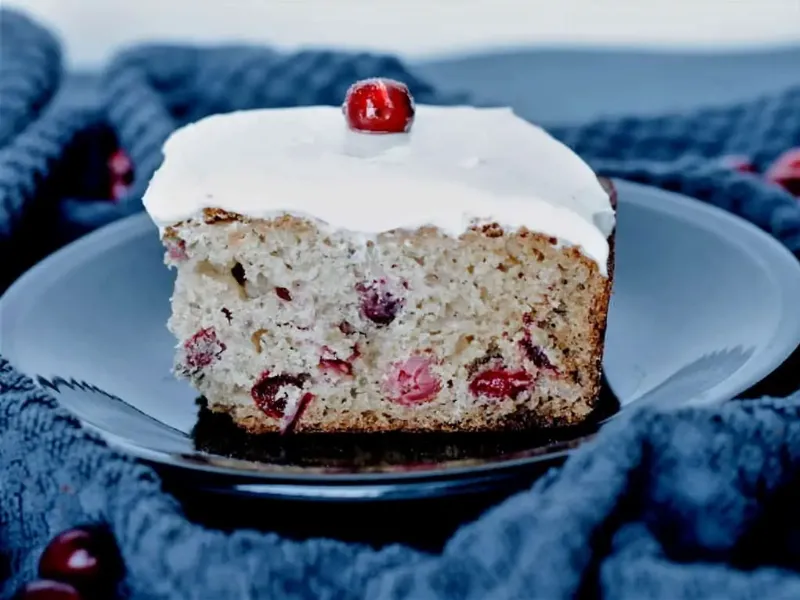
[455,167]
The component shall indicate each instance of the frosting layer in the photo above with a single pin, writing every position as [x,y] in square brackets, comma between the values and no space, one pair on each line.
[457,166]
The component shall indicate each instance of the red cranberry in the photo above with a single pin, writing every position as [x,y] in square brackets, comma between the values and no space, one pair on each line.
[120,170]
[500,383]
[283,294]
[412,382]
[176,249]
[739,163]
[120,165]
[331,362]
[536,355]
[346,328]
[265,392]
[85,558]
[378,303]
[785,171]
[379,106]
[202,349]
[534,352]
[288,425]
[119,190]
[45,589]
[337,365]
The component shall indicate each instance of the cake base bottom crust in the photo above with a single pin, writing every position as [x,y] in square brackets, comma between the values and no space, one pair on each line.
[216,433]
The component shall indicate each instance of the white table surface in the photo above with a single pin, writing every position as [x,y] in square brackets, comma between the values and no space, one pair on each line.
[92,30]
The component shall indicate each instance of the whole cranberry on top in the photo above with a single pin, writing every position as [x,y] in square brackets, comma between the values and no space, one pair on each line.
[379,106]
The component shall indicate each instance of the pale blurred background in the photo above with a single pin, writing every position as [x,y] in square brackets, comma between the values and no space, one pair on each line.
[93,29]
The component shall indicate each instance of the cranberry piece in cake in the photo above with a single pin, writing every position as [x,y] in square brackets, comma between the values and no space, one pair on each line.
[336,365]
[330,361]
[202,350]
[176,249]
[500,383]
[536,355]
[379,106]
[346,328]
[284,294]
[379,303]
[412,382]
[532,351]
[267,392]
[291,418]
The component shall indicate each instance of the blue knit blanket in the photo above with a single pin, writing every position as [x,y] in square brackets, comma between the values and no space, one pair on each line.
[700,503]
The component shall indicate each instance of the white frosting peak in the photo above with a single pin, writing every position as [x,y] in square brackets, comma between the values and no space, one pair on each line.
[457,165]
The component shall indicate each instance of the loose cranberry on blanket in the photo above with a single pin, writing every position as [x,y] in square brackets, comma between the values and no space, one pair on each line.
[120,165]
[46,589]
[785,171]
[120,170]
[739,163]
[379,106]
[85,558]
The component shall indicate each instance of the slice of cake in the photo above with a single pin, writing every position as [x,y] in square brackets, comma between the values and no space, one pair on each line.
[385,266]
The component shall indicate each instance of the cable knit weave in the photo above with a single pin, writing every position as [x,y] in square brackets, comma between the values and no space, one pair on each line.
[666,506]
[693,504]
[30,71]
[682,152]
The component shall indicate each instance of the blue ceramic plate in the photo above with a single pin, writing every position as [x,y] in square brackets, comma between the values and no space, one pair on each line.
[704,306]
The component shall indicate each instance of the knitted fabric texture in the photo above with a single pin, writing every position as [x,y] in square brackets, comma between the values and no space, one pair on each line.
[30,71]
[37,125]
[687,153]
[696,503]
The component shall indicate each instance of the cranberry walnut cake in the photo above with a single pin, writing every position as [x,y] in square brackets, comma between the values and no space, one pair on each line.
[385,267]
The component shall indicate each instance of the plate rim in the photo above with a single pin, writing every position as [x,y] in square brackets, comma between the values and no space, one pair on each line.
[770,253]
